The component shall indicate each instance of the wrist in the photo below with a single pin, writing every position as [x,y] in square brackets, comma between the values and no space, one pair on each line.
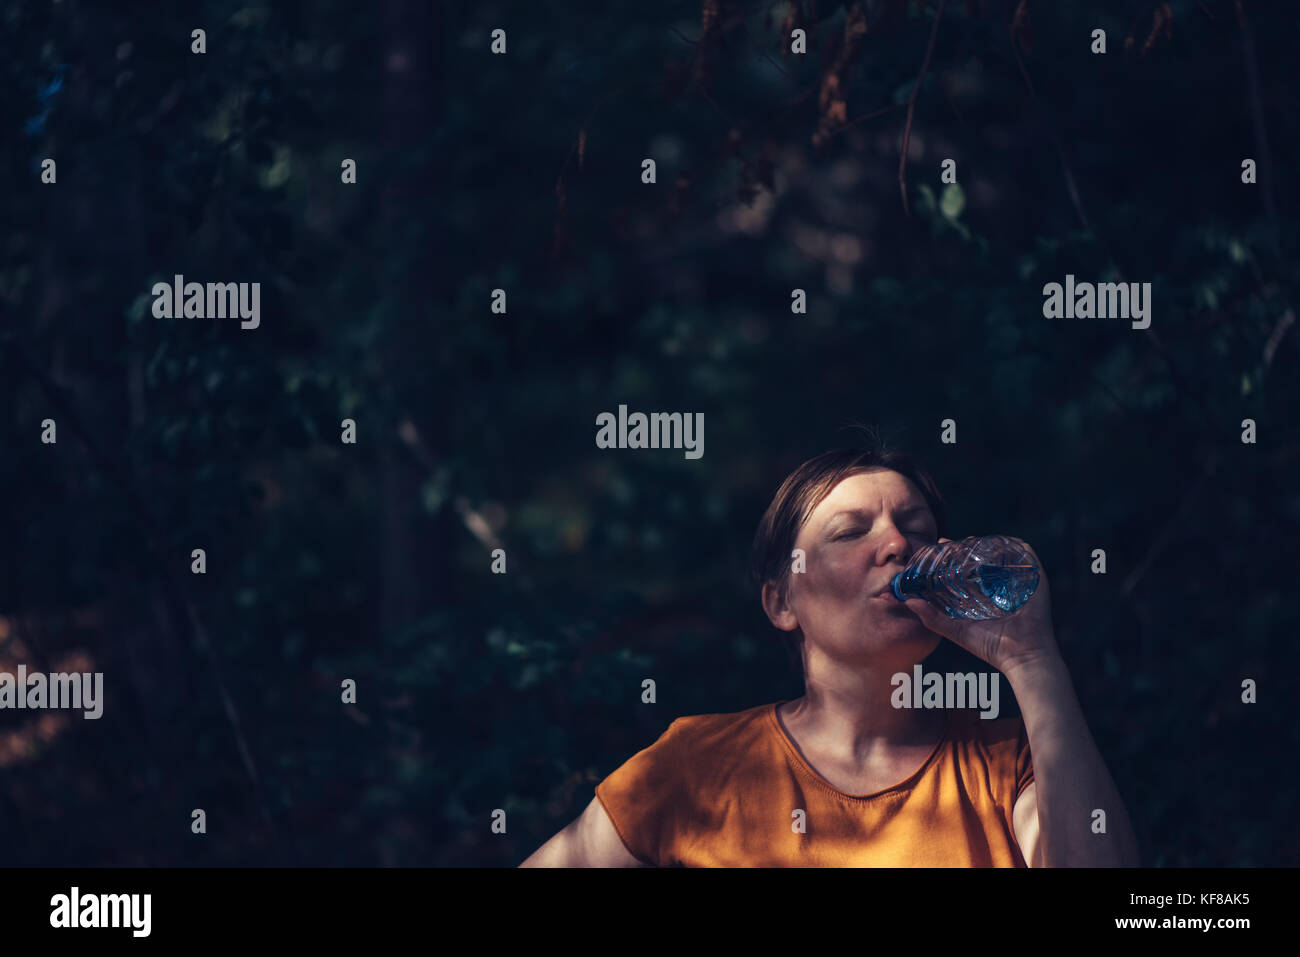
[1033,666]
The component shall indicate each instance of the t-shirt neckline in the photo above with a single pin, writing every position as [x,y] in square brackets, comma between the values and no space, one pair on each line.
[904,785]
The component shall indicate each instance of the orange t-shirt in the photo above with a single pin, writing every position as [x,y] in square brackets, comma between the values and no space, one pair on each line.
[720,790]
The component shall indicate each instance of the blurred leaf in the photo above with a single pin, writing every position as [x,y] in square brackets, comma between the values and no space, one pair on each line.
[953,201]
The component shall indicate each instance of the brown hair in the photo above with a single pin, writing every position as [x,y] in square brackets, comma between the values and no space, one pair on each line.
[803,490]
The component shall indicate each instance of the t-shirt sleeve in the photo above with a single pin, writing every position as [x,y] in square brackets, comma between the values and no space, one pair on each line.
[1024,763]
[643,797]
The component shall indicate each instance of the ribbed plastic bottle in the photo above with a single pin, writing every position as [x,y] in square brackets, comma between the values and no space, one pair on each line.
[975,578]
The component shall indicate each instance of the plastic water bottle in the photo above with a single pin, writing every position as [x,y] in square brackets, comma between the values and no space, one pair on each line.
[974,578]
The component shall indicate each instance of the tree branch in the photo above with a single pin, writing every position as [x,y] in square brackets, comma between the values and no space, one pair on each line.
[177,596]
[1261,134]
[1162,539]
[911,107]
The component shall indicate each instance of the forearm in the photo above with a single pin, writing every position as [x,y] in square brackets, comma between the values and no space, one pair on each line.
[1070,777]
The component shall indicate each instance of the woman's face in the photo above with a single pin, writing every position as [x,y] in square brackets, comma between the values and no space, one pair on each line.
[856,540]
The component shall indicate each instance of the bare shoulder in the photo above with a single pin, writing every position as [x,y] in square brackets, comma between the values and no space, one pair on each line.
[590,840]
[657,777]
[602,845]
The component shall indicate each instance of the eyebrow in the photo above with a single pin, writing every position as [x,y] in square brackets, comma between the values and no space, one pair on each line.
[863,512]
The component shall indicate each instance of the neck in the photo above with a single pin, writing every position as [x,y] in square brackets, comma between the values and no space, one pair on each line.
[847,711]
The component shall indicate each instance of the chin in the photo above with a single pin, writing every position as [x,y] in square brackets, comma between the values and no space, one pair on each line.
[909,632]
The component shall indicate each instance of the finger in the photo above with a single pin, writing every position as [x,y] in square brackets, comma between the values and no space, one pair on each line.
[917,607]
[930,616]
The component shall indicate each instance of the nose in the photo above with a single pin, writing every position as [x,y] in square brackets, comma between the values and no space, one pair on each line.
[894,547]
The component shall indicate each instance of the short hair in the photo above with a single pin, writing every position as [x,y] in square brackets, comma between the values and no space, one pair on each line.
[803,490]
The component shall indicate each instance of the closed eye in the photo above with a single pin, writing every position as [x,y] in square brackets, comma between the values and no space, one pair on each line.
[922,529]
[921,532]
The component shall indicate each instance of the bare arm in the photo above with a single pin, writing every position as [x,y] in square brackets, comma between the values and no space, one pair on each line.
[589,841]
[1024,822]
[1070,779]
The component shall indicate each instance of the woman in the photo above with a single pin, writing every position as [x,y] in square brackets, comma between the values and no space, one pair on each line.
[842,776]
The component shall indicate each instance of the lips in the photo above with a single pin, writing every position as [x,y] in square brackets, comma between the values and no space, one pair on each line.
[886,590]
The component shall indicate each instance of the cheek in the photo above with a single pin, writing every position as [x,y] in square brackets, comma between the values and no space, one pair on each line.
[837,572]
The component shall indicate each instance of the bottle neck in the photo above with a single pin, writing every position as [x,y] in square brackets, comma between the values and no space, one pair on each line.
[910,582]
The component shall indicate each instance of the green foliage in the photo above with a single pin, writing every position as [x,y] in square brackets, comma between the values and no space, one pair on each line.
[372,562]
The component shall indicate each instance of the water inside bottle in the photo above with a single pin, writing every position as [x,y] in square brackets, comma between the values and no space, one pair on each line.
[1007,586]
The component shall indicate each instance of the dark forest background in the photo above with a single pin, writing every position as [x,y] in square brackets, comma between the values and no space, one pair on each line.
[476,430]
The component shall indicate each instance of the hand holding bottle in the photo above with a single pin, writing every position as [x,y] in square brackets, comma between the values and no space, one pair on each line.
[1004,642]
